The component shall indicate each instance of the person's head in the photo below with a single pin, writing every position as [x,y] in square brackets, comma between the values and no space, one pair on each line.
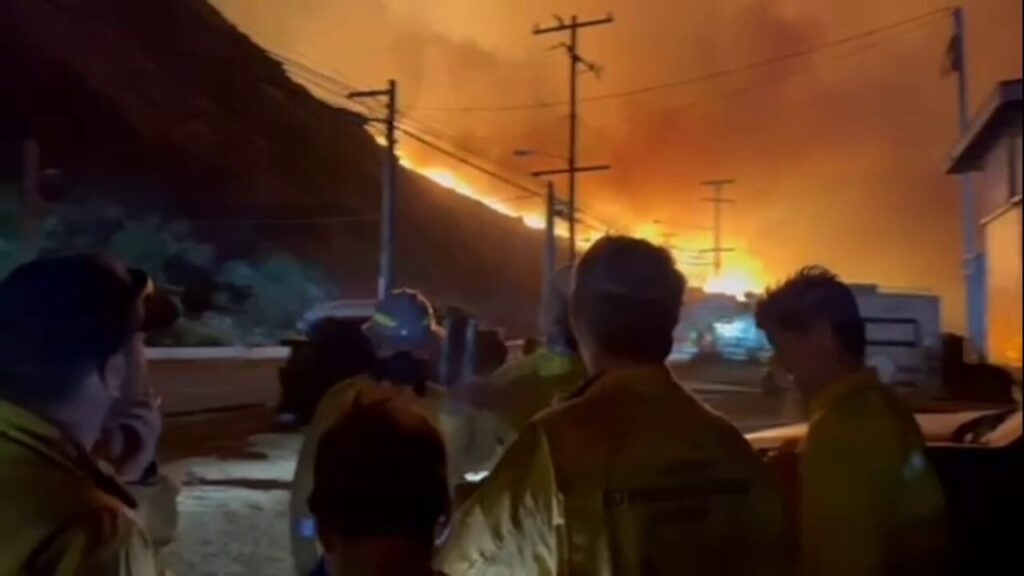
[404,321]
[625,305]
[558,333]
[71,338]
[814,324]
[380,483]
[405,337]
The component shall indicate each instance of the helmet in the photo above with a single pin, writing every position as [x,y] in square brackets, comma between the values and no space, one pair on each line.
[403,321]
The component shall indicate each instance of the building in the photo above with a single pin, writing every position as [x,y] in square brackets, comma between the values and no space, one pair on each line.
[990,149]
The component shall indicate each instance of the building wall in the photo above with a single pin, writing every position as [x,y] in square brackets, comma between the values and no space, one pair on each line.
[999,210]
[1003,237]
[997,182]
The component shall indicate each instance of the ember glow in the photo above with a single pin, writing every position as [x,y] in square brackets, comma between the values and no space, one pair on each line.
[741,275]
[735,282]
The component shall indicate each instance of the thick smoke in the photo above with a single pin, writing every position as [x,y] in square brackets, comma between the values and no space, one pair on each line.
[839,156]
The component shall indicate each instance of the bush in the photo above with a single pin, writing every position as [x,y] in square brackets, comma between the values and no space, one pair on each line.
[279,288]
[240,302]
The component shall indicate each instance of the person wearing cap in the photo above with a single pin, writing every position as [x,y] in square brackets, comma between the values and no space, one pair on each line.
[869,501]
[380,489]
[519,390]
[70,347]
[406,339]
[631,474]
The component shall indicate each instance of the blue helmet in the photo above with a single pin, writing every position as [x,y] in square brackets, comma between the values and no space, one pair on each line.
[403,321]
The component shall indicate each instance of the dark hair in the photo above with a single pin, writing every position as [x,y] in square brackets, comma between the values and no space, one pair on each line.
[812,296]
[627,296]
[381,471]
[61,318]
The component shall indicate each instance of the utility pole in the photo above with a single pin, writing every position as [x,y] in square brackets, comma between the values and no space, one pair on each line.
[550,251]
[550,241]
[389,183]
[573,27]
[973,258]
[717,200]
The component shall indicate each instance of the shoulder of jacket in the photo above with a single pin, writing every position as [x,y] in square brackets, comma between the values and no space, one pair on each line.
[98,539]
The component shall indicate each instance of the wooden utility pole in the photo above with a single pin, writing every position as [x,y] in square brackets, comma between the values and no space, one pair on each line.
[974,256]
[389,183]
[717,200]
[575,60]
[550,240]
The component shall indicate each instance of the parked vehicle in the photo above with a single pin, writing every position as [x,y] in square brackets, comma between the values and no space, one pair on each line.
[979,458]
[333,349]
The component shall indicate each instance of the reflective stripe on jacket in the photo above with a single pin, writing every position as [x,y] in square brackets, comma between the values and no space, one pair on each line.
[61,513]
[631,476]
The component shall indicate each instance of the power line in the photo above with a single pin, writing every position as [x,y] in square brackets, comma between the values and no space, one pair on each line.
[294,62]
[594,223]
[715,75]
[717,200]
[575,61]
[414,128]
[470,163]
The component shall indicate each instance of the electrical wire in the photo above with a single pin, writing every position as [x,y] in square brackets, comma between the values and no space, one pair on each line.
[429,137]
[714,75]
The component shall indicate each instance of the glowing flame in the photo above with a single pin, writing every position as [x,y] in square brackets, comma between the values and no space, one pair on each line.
[742,275]
[735,282]
[1012,352]
[450,181]
[535,221]
[447,179]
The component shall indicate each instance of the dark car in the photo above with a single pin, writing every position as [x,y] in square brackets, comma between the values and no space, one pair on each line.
[979,458]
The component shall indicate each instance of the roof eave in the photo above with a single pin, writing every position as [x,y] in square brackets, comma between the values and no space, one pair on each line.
[1000,110]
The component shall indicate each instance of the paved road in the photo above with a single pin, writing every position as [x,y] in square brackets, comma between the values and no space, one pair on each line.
[235,467]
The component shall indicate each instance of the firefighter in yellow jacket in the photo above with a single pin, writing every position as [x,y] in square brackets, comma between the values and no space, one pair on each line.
[70,336]
[406,339]
[506,400]
[869,502]
[631,475]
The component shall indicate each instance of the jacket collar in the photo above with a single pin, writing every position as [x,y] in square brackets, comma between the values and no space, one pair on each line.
[623,376]
[35,433]
[831,394]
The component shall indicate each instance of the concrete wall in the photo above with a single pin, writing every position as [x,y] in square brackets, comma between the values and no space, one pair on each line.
[201,379]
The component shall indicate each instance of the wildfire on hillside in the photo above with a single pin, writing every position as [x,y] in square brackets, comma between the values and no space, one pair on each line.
[741,274]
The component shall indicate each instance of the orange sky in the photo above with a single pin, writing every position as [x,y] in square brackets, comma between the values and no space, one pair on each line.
[839,157]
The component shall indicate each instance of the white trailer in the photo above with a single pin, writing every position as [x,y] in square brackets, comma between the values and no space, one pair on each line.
[903,332]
